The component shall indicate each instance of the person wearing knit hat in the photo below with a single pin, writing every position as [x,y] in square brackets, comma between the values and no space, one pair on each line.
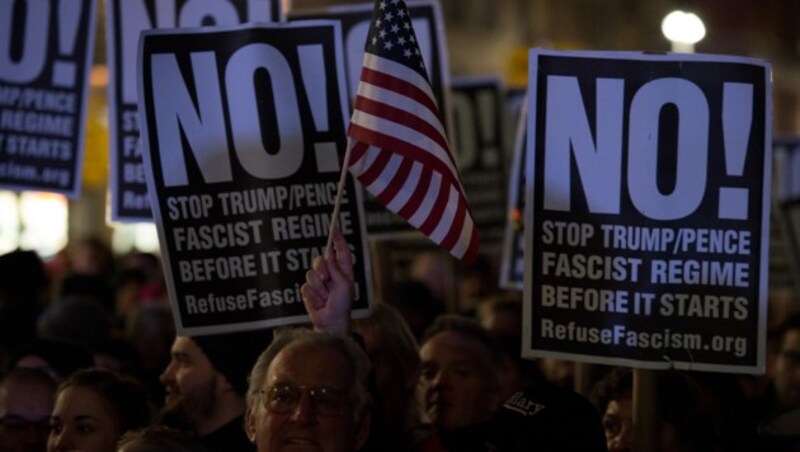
[206,381]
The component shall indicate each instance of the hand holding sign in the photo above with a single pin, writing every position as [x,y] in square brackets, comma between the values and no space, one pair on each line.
[328,291]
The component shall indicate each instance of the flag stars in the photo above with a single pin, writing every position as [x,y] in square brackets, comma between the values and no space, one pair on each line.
[382,34]
[395,28]
[407,53]
[388,17]
[401,40]
[383,5]
[388,45]
[407,25]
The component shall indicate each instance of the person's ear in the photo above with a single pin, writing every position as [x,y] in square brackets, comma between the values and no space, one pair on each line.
[362,429]
[250,424]
[223,384]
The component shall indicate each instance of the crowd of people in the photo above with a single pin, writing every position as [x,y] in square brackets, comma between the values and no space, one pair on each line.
[90,361]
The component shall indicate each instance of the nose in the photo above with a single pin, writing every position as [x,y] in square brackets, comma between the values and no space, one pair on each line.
[169,373]
[63,440]
[304,412]
[623,442]
[443,378]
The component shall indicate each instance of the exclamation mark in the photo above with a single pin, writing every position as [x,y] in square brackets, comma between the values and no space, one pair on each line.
[737,119]
[69,16]
[487,108]
[312,67]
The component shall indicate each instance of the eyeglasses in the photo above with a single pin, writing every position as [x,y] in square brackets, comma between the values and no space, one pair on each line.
[282,398]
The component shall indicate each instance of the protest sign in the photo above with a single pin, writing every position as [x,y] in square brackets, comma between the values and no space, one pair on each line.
[785,252]
[125,20]
[45,58]
[429,29]
[243,134]
[512,264]
[513,105]
[478,129]
[787,169]
[647,209]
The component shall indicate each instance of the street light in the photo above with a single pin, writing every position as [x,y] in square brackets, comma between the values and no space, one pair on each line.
[683,29]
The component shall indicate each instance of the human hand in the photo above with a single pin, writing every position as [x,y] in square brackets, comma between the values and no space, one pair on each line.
[329,288]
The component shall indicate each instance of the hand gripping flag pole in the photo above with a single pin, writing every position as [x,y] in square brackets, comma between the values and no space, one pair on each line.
[397,147]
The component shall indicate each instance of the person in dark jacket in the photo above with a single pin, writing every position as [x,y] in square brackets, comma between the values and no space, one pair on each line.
[206,382]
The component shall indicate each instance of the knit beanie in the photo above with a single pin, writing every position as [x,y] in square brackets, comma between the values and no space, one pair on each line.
[234,354]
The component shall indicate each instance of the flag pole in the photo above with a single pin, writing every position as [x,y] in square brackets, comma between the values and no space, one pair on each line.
[337,205]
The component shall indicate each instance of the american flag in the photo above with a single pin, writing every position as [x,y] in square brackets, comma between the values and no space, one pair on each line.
[399,150]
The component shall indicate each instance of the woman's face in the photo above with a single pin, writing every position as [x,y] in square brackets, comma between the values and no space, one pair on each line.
[81,420]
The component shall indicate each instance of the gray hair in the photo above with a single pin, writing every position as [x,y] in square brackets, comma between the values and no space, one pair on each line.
[346,346]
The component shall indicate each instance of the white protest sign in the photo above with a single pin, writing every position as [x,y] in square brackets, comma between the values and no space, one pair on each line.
[647,209]
[45,57]
[244,129]
[126,19]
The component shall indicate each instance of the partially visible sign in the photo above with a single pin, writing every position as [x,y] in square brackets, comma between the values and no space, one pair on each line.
[429,29]
[512,265]
[647,221]
[478,129]
[45,56]
[126,19]
[785,254]
[244,132]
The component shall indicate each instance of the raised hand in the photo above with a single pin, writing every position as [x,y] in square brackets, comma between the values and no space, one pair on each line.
[328,290]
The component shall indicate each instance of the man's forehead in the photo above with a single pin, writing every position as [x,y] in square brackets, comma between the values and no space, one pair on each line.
[311,363]
[454,341]
[186,345]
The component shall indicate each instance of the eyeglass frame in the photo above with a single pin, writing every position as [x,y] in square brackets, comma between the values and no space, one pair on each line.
[311,392]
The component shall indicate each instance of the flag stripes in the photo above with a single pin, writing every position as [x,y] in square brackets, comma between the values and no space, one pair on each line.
[399,149]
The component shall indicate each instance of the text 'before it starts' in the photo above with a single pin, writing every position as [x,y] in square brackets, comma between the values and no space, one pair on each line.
[249,265]
[645,303]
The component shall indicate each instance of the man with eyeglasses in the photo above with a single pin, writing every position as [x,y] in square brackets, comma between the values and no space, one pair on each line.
[308,391]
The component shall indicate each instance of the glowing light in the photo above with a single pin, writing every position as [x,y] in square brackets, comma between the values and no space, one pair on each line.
[682,27]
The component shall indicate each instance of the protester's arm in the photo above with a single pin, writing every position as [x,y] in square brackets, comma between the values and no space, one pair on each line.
[328,291]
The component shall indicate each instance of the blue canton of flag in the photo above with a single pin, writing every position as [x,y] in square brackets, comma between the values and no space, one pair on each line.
[391,35]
